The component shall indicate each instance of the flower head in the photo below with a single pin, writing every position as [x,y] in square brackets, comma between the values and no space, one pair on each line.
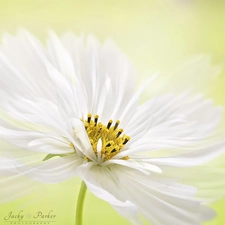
[70,109]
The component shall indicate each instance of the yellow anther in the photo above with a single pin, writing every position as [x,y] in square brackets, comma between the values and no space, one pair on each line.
[116,124]
[96,119]
[89,117]
[109,124]
[119,132]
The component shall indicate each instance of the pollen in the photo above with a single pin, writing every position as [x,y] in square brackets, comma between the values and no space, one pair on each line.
[111,136]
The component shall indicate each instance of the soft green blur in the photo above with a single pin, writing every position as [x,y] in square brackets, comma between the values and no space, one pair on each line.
[155,34]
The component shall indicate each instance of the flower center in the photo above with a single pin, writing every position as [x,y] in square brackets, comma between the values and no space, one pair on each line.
[111,136]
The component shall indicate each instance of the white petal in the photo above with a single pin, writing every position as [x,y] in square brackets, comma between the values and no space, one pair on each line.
[21,60]
[101,182]
[171,122]
[196,74]
[81,141]
[15,186]
[157,206]
[207,180]
[128,164]
[55,170]
[60,56]
[194,158]
[99,150]
[132,105]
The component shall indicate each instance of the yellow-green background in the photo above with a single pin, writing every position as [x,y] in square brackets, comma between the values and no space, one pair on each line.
[155,34]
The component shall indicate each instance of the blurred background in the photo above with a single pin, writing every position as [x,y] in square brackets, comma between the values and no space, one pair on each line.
[155,34]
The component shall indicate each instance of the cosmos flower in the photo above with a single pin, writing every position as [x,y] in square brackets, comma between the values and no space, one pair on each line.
[72,109]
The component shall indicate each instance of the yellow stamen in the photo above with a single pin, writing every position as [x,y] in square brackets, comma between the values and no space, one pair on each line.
[111,136]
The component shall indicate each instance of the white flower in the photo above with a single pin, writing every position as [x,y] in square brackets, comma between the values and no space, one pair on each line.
[70,109]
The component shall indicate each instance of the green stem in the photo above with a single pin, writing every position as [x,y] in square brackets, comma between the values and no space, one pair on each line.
[80,204]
